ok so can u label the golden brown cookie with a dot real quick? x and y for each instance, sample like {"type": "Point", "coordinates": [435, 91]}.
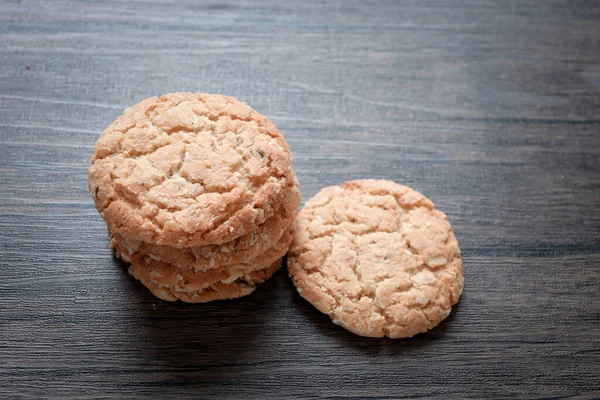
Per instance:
{"type": "Point", "coordinates": [190, 280]}
{"type": "Point", "coordinates": [242, 286]}
{"type": "Point", "coordinates": [377, 257]}
{"type": "Point", "coordinates": [189, 169]}
{"type": "Point", "coordinates": [203, 258]}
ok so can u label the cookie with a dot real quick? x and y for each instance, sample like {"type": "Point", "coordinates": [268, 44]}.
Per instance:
{"type": "Point", "coordinates": [203, 258]}
{"type": "Point", "coordinates": [189, 280]}
{"type": "Point", "coordinates": [240, 287]}
{"type": "Point", "coordinates": [377, 257]}
{"type": "Point", "coordinates": [189, 169]}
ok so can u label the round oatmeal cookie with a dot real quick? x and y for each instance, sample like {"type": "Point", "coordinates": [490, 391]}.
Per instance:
{"type": "Point", "coordinates": [240, 287]}
{"type": "Point", "coordinates": [377, 257]}
{"type": "Point", "coordinates": [189, 169]}
{"type": "Point", "coordinates": [190, 280]}
{"type": "Point", "coordinates": [204, 258]}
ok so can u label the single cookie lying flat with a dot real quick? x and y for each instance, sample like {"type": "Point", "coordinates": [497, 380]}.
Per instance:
{"type": "Point", "coordinates": [204, 258]}
{"type": "Point", "coordinates": [189, 169]}
{"type": "Point", "coordinates": [377, 258]}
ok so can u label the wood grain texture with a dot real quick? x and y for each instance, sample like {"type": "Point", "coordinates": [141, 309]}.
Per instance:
{"type": "Point", "coordinates": [491, 109]}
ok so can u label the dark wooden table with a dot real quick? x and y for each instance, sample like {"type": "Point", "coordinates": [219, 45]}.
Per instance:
{"type": "Point", "coordinates": [491, 109]}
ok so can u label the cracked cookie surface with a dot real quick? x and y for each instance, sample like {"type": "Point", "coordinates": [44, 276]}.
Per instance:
{"type": "Point", "coordinates": [204, 258]}
{"type": "Point", "coordinates": [189, 169]}
{"type": "Point", "coordinates": [377, 257]}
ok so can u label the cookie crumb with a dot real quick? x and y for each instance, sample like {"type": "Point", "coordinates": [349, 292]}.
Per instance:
{"type": "Point", "coordinates": [27, 66]}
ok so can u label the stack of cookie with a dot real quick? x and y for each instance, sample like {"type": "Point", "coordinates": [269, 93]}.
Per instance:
{"type": "Point", "coordinates": [198, 194]}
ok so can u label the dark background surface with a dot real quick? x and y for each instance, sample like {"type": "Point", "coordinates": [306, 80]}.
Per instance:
{"type": "Point", "coordinates": [491, 109]}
